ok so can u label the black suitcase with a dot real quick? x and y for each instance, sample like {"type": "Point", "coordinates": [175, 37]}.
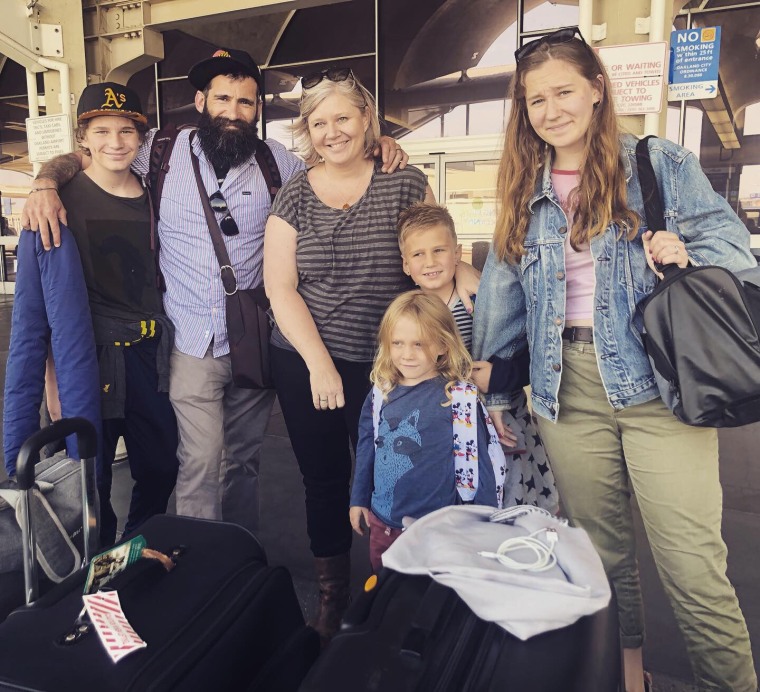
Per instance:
{"type": "Point", "coordinates": [411, 633]}
{"type": "Point", "coordinates": [212, 623]}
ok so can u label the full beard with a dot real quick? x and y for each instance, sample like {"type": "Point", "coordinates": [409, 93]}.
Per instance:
{"type": "Point", "coordinates": [226, 147]}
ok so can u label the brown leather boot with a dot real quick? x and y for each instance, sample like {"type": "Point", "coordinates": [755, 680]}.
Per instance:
{"type": "Point", "coordinates": [333, 574]}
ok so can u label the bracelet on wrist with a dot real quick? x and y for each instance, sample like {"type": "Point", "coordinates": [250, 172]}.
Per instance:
{"type": "Point", "coordinates": [40, 189]}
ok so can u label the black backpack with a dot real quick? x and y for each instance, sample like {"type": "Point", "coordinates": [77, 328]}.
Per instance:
{"type": "Point", "coordinates": [158, 167]}
{"type": "Point", "coordinates": [702, 331]}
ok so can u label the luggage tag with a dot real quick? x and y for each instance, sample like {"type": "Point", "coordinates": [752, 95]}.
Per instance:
{"type": "Point", "coordinates": [114, 631]}
{"type": "Point", "coordinates": [105, 566]}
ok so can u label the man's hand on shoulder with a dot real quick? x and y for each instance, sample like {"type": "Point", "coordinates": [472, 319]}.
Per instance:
{"type": "Point", "coordinates": [392, 154]}
{"type": "Point", "coordinates": [44, 212]}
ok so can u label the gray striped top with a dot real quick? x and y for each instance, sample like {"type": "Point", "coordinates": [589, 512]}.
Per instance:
{"type": "Point", "coordinates": [463, 320]}
{"type": "Point", "coordinates": [349, 264]}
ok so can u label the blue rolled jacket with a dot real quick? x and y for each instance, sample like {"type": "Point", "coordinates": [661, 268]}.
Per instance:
{"type": "Point", "coordinates": [526, 301]}
{"type": "Point", "coordinates": [50, 306]}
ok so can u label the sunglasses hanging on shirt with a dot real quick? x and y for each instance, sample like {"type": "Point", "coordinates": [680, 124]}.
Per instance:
{"type": "Point", "coordinates": [564, 35]}
{"type": "Point", "coordinates": [219, 205]}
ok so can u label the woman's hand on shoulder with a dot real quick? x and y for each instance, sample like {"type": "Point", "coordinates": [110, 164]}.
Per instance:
{"type": "Point", "coordinates": [326, 388]}
{"type": "Point", "coordinates": [467, 283]}
{"type": "Point", "coordinates": [392, 154]}
{"type": "Point", "coordinates": [664, 247]}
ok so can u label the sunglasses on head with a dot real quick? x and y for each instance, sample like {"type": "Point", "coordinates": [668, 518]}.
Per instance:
{"type": "Point", "coordinates": [333, 74]}
{"type": "Point", "coordinates": [560, 36]}
{"type": "Point", "coordinates": [219, 204]}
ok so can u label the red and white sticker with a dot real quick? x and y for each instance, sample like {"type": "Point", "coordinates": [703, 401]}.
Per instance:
{"type": "Point", "coordinates": [117, 635]}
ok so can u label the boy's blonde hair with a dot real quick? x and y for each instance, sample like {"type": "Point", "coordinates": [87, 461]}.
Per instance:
{"type": "Point", "coordinates": [423, 215]}
{"type": "Point", "coordinates": [437, 327]}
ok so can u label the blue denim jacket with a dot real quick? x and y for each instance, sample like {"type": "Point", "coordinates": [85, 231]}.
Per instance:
{"type": "Point", "coordinates": [527, 300]}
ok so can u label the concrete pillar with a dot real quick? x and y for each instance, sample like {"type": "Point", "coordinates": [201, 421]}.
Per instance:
{"type": "Point", "coordinates": [620, 17]}
{"type": "Point", "coordinates": [68, 15]}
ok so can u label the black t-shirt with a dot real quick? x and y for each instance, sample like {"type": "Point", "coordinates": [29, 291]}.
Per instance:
{"type": "Point", "coordinates": [113, 237]}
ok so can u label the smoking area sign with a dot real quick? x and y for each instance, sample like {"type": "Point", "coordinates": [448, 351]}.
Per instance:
{"type": "Point", "coordinates": [637, 75]}
{"type": "Point", "coordinates": [694, 57]}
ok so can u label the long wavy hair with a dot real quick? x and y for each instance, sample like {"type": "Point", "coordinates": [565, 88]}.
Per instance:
{"type": "Point", "coordinates": [437, 329]}
{"type": "Point", "coordinates": [356, 94]}
{"type": "Point", "coordinates": [600, 198]}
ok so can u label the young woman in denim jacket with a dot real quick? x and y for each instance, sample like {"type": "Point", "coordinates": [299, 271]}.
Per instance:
{"type": "Point", "coordinates": [570, 266]}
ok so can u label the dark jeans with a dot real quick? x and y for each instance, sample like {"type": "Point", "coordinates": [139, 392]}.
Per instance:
{"type": "Point", "coordinates": [322, 442]}
{"type": "Point", "coordinates": [149, 429]}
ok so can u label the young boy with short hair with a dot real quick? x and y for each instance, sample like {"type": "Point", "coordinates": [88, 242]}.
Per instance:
{"type": "Point", "coordinates": [430, 251]}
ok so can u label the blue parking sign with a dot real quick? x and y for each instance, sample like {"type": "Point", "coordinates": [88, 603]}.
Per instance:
{"type": "Point", "coordinates": [694, 59]}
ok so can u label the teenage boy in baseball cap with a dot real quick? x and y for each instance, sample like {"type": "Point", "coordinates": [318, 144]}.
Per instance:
{"type": "Point", "coordinates": [109, 219]}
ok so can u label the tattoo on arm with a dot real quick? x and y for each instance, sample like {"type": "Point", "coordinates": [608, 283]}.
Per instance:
{"type": "Point", "coordinates": [61, 169]}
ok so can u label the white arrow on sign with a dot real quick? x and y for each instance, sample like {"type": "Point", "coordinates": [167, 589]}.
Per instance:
{"type": "Point", "coordinates": [692, 91]}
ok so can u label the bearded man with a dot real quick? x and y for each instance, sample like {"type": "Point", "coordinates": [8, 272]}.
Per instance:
{"type": "Point", "coordinates": [221, 426]}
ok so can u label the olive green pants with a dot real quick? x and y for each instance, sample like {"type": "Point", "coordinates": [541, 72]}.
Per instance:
{"type": "Point", "coordinates": [597, 455]}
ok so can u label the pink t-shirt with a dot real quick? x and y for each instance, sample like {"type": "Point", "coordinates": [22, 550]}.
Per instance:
{"type": "Point", "coordinates": [579, 266]}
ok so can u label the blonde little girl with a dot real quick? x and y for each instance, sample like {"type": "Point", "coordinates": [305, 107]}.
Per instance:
{"type": "Point", "coordinates": [424, 440]}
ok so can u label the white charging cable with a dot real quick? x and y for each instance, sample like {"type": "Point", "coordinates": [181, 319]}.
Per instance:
{"type": "Point", "coordinates": [509, 514]}
{"type": "Point", "coordinates": [544, 552]}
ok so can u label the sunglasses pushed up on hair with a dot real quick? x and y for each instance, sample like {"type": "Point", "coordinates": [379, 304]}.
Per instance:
{"type": "Point", "coordinates": [564, 35]}
{"type": "Point", "coordinates": [228, 225]}
{"type": "Point", "coordinates": [333, 74]}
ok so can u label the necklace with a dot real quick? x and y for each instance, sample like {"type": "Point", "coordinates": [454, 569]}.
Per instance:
{"type": "Point", "coordinates": [448, 302]}
{"type": "Point", "coordinates": [356, 188]}
{"type": "Point", "coordinates": [347, 205]}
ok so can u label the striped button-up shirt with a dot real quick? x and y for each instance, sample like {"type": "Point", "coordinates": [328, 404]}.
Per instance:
{"type": "Point", "coordinates": [195, 299]}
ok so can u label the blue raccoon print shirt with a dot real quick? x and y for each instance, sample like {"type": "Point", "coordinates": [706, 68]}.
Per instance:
{"type": "Point", "coordinates": [409, 469]}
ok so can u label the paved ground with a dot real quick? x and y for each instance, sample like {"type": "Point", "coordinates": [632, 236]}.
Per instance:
{"type": "Point", "coordinates": [284, 537]}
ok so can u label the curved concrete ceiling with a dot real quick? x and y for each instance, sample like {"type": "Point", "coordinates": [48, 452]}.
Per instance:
{"type": "Point", "coordinates": [451, 39]}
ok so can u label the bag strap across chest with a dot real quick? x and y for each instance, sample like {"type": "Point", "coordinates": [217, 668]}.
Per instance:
{"type": "Point", "coordinates": [465, 409]}
{"type": "Point", "coordinates": [650, 190]}
{"type": "Point", "coordinates": [161, 152]}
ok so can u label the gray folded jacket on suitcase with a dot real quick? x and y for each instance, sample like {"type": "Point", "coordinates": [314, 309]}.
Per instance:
{"type": "Point", "coordinates": [57, 514]}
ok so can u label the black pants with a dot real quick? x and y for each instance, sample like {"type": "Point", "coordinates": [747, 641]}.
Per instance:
{"type": "Point", "coordinates": [322, 442]}
{"type": "Point", "coordinates": [149, 429]}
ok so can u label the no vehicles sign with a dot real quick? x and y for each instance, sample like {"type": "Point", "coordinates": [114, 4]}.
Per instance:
{"type": "Point", "coordinates": [694, 58]}
{"type": "Point", "coordinates": [637, 75]}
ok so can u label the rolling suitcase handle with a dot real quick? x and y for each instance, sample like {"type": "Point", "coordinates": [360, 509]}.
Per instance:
{"type": "Point", "coordinates": [28, 457]}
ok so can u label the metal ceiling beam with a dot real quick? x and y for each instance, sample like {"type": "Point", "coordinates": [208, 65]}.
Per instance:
{"type": "Point", "coordinates": [172, 14]}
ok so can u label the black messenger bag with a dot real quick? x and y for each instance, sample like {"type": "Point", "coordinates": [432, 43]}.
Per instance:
{"type": "Point", "coordinates": [702, 332]}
